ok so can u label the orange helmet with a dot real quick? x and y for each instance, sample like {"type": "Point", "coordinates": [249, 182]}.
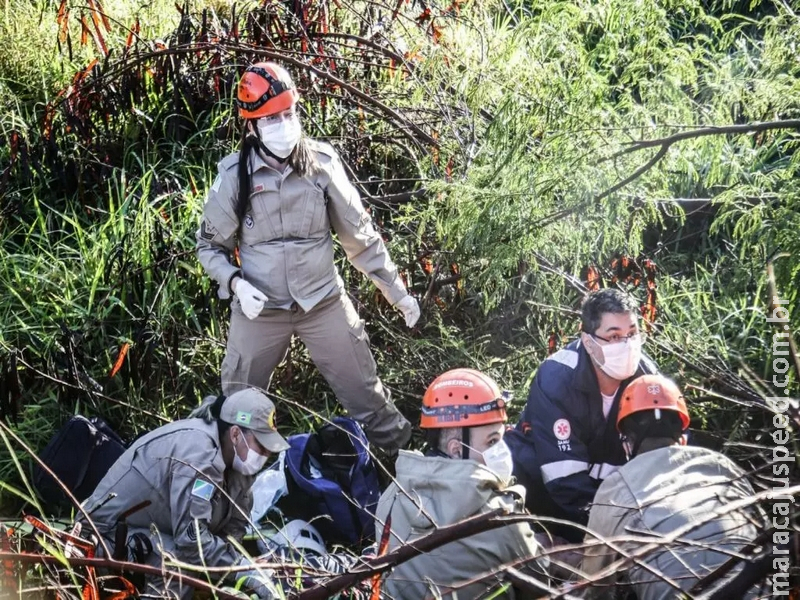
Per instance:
{"type": "Point", "coordinates": [265, 89]}
{"type": "Point", "coordinates": [651, 392]}
{"type": "Point", "coordinates": [463, 398]}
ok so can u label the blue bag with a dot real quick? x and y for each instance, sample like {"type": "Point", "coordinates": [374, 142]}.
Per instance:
{"type": "Point", "coordinates": [333, 482]}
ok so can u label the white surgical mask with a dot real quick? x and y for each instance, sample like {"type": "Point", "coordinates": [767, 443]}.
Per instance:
{"type": "Point", "coordinates": [498, 459]}
{"type": "Point", "coordinates": [280, 137]}
{"type": "Point", "coordinates": [252, 463]}
{"type": "Point", "coordinates": [621, 360]}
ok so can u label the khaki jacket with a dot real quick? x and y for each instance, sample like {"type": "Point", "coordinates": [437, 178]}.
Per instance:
{"type": "Point", "coordinates": [449, 491]}
{"type": "Point", "coordinates": [195, 503]}
{"type": "Point", "coordinates": [285, 242]}
{"type": "Point", "coordinates": [659, 492]}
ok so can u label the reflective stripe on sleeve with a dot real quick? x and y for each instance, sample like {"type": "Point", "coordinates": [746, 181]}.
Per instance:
{"type": "Point", "coordinates": [562, 468]}
{"type": "Point", "coordinates": [602, 470]}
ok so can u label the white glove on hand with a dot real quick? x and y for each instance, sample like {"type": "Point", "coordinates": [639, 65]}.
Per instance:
{"type": "Point", "coordinates": [410, 309]}
{"type": "Point", "coordinates": [251, 299]}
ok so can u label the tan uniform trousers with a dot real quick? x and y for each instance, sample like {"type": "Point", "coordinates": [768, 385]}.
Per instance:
{"type": "Point", "coordinates": [339, 346]}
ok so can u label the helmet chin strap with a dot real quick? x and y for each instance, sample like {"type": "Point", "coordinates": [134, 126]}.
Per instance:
{"type": "Point", "coordinates": [267, 151]}
{"type": "Point", "coordinates": [465, 443]}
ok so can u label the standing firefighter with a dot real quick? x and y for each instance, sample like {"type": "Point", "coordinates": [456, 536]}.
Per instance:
{"type": "Point", "coordinates": [276, 200]}
{"type": "Point", "coordinates": [465, 472]}
{"type": "Point", "coordinates": [193, 478]}
{"type": "Point", "coordinates": [667, 490]}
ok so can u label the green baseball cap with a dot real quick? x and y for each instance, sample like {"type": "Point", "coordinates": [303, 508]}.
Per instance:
{"type": "Point", "coordinates": [253, 410]}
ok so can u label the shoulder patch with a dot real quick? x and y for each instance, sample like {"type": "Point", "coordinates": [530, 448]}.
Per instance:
{"type": "Point", "coordinates": [566, 357]}
{"type": "Point", "coordinates": [562, 429]}
{"type": "Point", "coordinates": [203, 489]}
{"type": "Point", "coordinates": [207, 231]}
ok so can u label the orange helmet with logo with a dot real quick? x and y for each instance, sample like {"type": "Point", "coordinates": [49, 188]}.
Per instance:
{"type": "Point", "coordinates": [463, 398]}
{"type": "Point", "coordinates": [651, 392]}
{"type": "Point", "coordinates": [265, 89]}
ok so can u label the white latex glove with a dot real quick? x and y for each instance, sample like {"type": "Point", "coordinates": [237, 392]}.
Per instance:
{"type": "Point", "coordinates": [410, 309]}
{"type": "Point", "coordinates": [251, 299]}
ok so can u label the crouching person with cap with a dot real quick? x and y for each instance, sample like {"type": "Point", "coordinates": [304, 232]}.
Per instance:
{"type": "Point", "coordinates": [190, 481]}
{"type": "Point", "coordinates": [466, 471]}
{"type": "Point", "coordinates": [667, 490]}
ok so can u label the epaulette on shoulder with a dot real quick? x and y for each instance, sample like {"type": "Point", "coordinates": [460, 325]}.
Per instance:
{"type": "Point", "coordinates": [229, 162]}
{"type": "Point", "coordinates": [323, 148]}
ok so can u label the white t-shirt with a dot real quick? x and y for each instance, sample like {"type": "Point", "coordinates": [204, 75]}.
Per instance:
{"type": "Point", "coordinates": [607, 402]}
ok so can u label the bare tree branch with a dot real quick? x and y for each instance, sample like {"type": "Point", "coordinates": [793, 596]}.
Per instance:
{"type": "Point", "coordinates": [279, 56]}
{"type": "Point", "coordinates": [668, 141]}
{"type": "Point", "coordinates": [727, 566]}
{"type": "Point", "coordinates": [400, 198]}
{"type": "Point", "coordinates": [664, 145]}
{"type": "Point", "coordinates": [118, 567]}
{"type": "Point", "coordinates": [440, 537]}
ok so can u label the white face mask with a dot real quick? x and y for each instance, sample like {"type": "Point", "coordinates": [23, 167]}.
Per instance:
{"type": "Point", "coordinates": [621, 360]}
{"type": "Point", "coordinates": [252, 463]}
{"type": "Point", "coordinates": [498, 459]}
{"type": "Point", "coordinates": [280, 137]}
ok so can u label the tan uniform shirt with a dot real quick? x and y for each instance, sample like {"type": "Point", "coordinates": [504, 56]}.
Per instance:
{"type": "Point", "coordinates": [180, 470]}
{"type": "Point", "coordinates": [285, 241]}
{"type": "Point", "coordinates": [660, 492]}
{"type": "Point", "coordinates": [449, 491]}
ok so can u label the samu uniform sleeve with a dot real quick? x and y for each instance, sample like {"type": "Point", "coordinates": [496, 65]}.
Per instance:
{"type": "Point", "coordinates": [216, 236]}
{"type": "Point", "coordinates": [362, 244]}
{"type": "Point", "coordinates": [193, 485]}
{"type": "Point", "coordinates": [562, 455]}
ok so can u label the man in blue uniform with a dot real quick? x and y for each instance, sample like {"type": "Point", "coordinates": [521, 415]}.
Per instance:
{"type": "Point", "coordinates": [566, 442]}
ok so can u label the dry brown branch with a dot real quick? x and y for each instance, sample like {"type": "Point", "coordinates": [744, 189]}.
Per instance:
{"type": "Point", "coordinates": [668, 141]}
{"type": "Point", "coordinates": [441, 536]}
{"type": "Point", "coordinates": [727, 566]}
{"type": "Point", "coordinates": [648, 545]}
{"type": "Point", "coordinates": [664, 145]}
{"type": "Point", "coordinates": [92, 393]}
{"type": "Point", "coordinates": [400, 198]}
{"type": "Point", "coordinates": [236, 49]}
{"type": "Point", "coordinates": [117, 567]}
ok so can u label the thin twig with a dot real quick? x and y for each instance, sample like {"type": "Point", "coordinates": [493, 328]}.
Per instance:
{"type": "Point", "coordinates": [117, 566]}
{"type": "Point", "coordinates": [664, 145]}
